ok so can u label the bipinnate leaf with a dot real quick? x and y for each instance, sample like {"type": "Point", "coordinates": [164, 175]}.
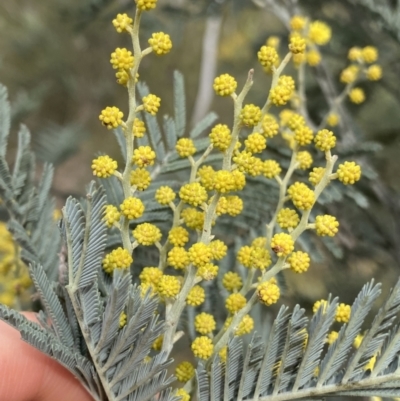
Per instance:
{"type": "Point", "coordinates": [295, 364]}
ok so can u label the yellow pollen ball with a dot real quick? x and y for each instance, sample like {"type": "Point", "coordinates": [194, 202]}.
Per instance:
{"type": "Point", "coordinates": [202, 347]}
{"type": "Point", "coordinates": [184, 371]}
{"type": "Point", "coordinates": [111, 117]}
{"type": "Point", "coordinates": [196, 296]}
{"type": "Point", "coordinates": [268, 293]}
{"type": "Point", "coordinates": [147, 234]}
{"type": "Point", "coordinates": [161, 43]}
{"type": "Point", "coordinates": [224, 85]}
{"type": "Point", "coordinates": [151, 104]}
{"type": "Point", "coordinates": [104, 166]}
{"type": "Point", "coordinates": [193, 194]}
{"type": "Point", "coordinates": [343, 313]}
{"type": "Point", "coordinates": [132, 208]}
{"type": "Point", "coordinates": [282, 244]}
{"type": "Point", "coordinates": [235, 302]}
{"type": "Point", "coordinates": [119, 258]}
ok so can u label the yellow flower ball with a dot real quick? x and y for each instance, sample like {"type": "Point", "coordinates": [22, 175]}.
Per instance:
{"type": "Point", "coordinates": [196, 296]}
{"type": "Point", "coordinates": [218, 249]}
{"type": "Point", "coordinates": [132, 208]}
{"type": "Point", "coordinates": [304, 159]}
{"type": "Point", "coordinates": [207, 272]}
{"type": "Point", "coordinates": [223, 181]}
{"type": "Point", "coordinates": [282, 244]}
{"type": "Point", "coordinates": [184, 371]}
{"type": "Point", "coordinates": [325, 140]}
{"type": "Point", "coordinates": [147, 234]}
{"type": "Point", "coordinates": [322, 303]}
{"type": "Point", "coordinates": [319, 33]}
{"type": "Point", "coordinates": [287, 218]}
{"type": "Point", "coordinates": [369, 54]}
{"type": "Point", "coordinates": [374, 72]}
{"type": "Point", "coordinates": [280, 95]}
{"type": "Point", "coordinates": [332, 337]}
{"type": "Point", "coordinates": [232, 281]}
{"type": "Point", "coordinates": [202, 347]}
{"type": "Point", "coordinates": [122, 22]}
{"type": "Point", "coordinates": [255, 143]}
{"type": "Point", "coordinates": [295, 121]}
{"type": "Point", "coordinates": [119, 258]}
{"type": "Point", "coordinates": [343, 313]}
{"type": "Point", "coordinates": [245, 326]}
{"type": "Point", "coordinates": [143, 156]}
{"type": "Point", "coordinates": [185, 147]}
{"type": "Point", "coordinates": [111, 215]}
{"type": "Point", "coordinates": [151, 104]}
{"type": "Point", "coordinates": [168, 286]}
{"type": "Point", "coordinates": [158, 343]}
{"type": "Point", "coordinates": [193, 194]}
{"type": "Point", "coordinates": [268, 293]}
{"type": "Point", "coordinates": [297, 22]}
{"type": "Point", "coordinates": [354, 54]}
{"type": "Point", "coordinates": [235, 302]}
{"type": "Point", "coordinates": [104, 166]}
{"type": "Point", "coordinates": [178, 236]}
{"type": "Point", "coordinates": [269, 126]}
{"type": "Point", "coordinates": [333, 119]}
{"type": "Point", "coordinates": [204, 323]}
{"type": "Point", "coordinates": [178, 257]}
{"type": "Point", "coordinates": [348, 173]}
{"type": "Point", "coordinates": [248, 163]}
{"type": "Point", "coordinates": [150, 275]}
{"type": "Point", "coordinates": [140, 178]}
{"type": "Point", "coordinates": [349, 74]}
{"type": "Point", "coordinates": [316, 175]}
{"type": "Point", "coordinates": [267, 56]}
{"type": "Point", "coordinates": [122, 59]}
{"type": "Point", "coordinates": [224, 85]}
{"type": "Point", "coordinates": [193, 218]}
{"type": "Point", "coordinates": [250, 115]}
{"type": "Point", "coordinates": [273, 41]}
{"type": "Point", "coordinates": [302, 196]}
{"type": "Point", "coordinates": [146, 5]}
{"type": "Point", "coordinates": [111, 117]}
{"type": "Point", "coordinates": [303, 135]}
{"type": "Point", "coordinates": [161, 43]}
{"type": "Point", "coordinates": [231, 205]}
{"type": "Point", "coordinates": [297, 44]}
{"type": "Point", "coordinates": [164, 195]}
{"type": "Point", "coordinates": [326, 225]}
{"type": "Point", "coordinates": [138, 128]}
{"type": "Point", "coordinates": [313, 58]}
{"type": "Point", "coordinates": [221, 137]}
{"type": "Point", "coordinates": [271, 168]}
{"type": "Point", "coordinates": [183, 394]}
{"type": "Point", "coordinates": [299, 261]}
{"type": "Point", "coordinates": [200, 254]}
{"type": "Point", "coordinates": [357, 95]}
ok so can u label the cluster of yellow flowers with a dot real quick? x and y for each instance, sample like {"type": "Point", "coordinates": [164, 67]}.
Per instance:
{"type": "Point", "coordinates": [343, 315]}
{"type": "Point", "coordinates": [362, 67]}
{"type": "Point", "coordinates": [185, 262]}
{"type": "Point", "coordinates": [14, 276]}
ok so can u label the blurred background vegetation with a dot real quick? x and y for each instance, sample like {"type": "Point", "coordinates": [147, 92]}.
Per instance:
{"type": "Point", "coordinates": [55, 62]}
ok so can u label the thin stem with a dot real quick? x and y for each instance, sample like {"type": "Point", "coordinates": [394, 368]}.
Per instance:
{"type": "Point", "coordinates": [238, 104]}
{"type": "Point", "coordinates": [282, 192]}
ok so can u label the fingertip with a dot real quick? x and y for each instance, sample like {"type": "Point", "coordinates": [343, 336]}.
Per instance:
{"type": "Point", "coordinates": [28, 374]}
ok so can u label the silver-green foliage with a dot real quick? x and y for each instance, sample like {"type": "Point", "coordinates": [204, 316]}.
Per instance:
{"type": "Point", "coordinates": [296, 363]}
